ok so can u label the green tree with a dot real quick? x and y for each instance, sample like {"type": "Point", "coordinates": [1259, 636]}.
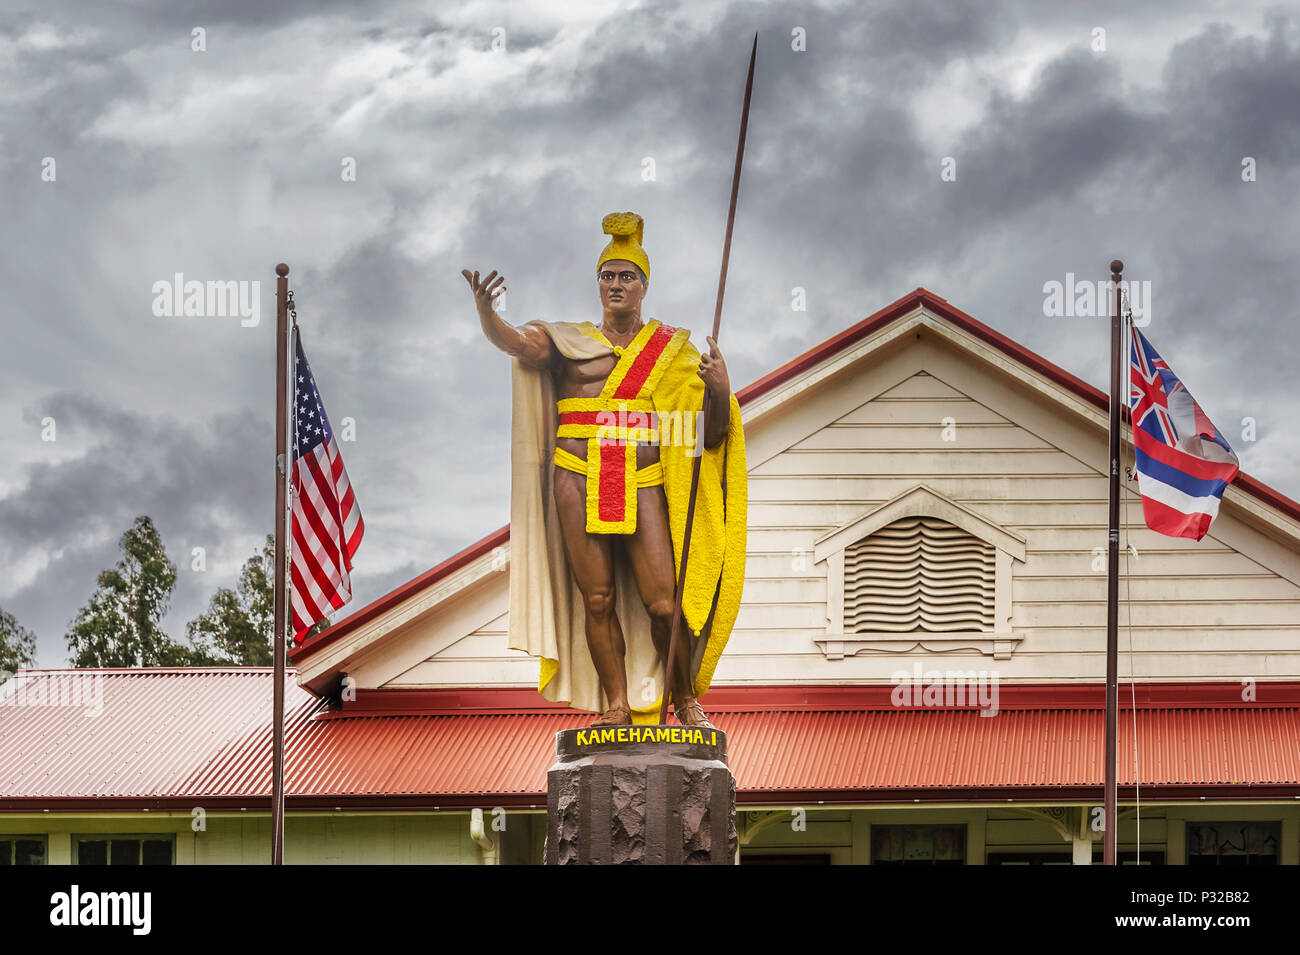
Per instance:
{"type": "Point", "coordinates": [17, 646]}
{"type": "Point", "coordinates": [120, 626]}
{"type": "Point", "coordinates": [238, 626]}
{"type": "Point", "coordinates": [236, 629]}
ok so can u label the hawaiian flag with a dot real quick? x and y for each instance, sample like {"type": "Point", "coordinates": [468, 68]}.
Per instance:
{"type": "Point", "coordinates": [327, 525]}
{"type": "Point", "coordinates": [1183, 461]}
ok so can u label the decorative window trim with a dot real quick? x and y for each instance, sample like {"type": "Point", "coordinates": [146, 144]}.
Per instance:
{"type": "Point", "coordinates": [919, 501]}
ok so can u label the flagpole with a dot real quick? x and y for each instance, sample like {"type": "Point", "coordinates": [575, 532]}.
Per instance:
{"type": "Point", "coordinates": [704, 410]}
{"type": "Point", "coordinates": [282, 467]}
{"type": "Point", "coordinates": [1109, 810]}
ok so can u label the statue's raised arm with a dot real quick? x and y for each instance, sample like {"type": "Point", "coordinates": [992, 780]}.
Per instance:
{"type": "Point", "coordinates": [530, 345]}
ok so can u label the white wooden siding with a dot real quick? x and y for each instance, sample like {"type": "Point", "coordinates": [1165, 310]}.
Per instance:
{"type": "Point", "coordinates": [1226, 607]}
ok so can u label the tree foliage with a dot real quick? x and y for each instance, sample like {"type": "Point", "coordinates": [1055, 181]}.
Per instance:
{"type": "Point", "coordinates": [17, 646]}
{"type": "Point", "coordinates": [238, 627]}
{"type": "Point", "coordinates": [121, 625]}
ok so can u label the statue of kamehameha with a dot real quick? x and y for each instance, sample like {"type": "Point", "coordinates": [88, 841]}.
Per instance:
{"type": "Point", "coordinates": [603, 441]}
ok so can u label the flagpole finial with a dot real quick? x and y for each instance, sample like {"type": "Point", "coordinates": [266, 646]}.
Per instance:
{"type": "Point", "coordinates": [1116, 266]}
{"type": "Point", "coordinates": [282, 270]}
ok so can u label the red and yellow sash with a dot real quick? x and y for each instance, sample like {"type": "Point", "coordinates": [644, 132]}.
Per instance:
{"type": "Point", "coordinates": [617, 421]}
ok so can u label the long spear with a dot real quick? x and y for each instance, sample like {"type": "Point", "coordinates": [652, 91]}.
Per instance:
{"type": "Point", "coordinates": [704, 417]}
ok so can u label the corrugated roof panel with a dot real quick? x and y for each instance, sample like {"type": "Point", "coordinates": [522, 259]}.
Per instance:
{"type": "Point", "coordinates": [206, 733]}
{"type": "Point", "coordinates": [126, 732]}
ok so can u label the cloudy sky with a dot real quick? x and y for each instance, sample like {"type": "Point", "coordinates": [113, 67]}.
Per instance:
{"type": "Point", "coordinates": [495, 135]}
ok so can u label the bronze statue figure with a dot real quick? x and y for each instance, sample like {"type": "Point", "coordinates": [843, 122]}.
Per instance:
{"type": "Point", "coordinates": [605, 420]}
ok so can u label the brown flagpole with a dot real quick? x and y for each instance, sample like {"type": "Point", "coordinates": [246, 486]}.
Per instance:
{"type": "Point", "coordinates": [282, 465]}
{"type": "Point", "coordinates": [1110, 810]}
{"type": "Point", "coordinates": [704, 411]}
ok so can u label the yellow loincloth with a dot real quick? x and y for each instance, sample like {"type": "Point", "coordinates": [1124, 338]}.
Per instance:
{"type": "Point", "coordinates": [652, 475]}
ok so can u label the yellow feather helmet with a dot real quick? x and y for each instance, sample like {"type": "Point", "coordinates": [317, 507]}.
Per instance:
{"type": "Point", "coordinates": [626, 230]}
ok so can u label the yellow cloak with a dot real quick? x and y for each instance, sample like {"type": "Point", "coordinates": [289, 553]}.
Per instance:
{"type": "Point", "coordinates": [546, 610]}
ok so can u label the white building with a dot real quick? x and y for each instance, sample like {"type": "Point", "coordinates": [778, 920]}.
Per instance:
{"type": "Point", "coordinates": [927, 498]}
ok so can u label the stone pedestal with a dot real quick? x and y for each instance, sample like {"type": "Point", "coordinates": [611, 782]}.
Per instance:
{"type": "Point", "coordinates": [640, 795]}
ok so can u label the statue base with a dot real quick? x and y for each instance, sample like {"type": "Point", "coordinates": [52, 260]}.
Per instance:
{"type": "Point", "coordinates": [640, 795]}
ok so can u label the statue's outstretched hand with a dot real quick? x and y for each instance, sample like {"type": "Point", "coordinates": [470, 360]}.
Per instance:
{"type": "Point", "coordinates": [529, 343]}
{"type": "Point", "coordinates": [485, 291]}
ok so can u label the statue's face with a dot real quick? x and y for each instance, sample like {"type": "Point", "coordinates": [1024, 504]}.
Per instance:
{"type": "Point", "coordinates": [621, 288]}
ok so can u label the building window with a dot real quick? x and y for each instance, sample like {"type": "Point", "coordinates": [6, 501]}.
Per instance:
{"type": "Point", "coordinates": [1129, 858]}
{"type": "Point", "coordinates": [22, 850]}
{"type": "Point", "coordinates": [800, 858]}
{"type": "Point", "coordinates": [918, 845]}
{"type": "Point", "coordinates": [1233, 843]}
{"type": "Point", "coordinates": [1030, 858]}
{"type": "Point", "coordinates": [116, 849]}
{"type": "Point", "coordinates": [1064, 857]}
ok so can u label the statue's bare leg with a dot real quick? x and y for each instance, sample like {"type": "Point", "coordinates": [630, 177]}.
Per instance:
{"type": "Point", "coordinates": [593, 568]}
{"type": "Point", "coordinates": [650, 552]}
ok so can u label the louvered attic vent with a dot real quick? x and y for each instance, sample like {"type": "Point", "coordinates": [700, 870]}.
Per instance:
{"type": "Point", "coordinates": [919, 574]}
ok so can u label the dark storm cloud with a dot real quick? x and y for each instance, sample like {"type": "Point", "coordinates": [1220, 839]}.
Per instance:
{"type": "Point", "coordinates": [1228, 96]}
{"type": "Point", "coordinates": [130, 462]}
{"type": "Point", "coordinates": [1073, 171]}
{"type": "Point", "coordinates": [1074, 129]}
{"type": "Point", "coordinates": [128, 24]}
{"type": "Point", "coordinates": [219, 167]}
{"type": "Point", "coordinates": [199, 484]}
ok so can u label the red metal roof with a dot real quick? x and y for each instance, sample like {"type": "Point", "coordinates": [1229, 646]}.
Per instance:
{"type": "Point", "coordinates": [809, 359]}
{"type": "Point", "coordinates": [176, 738]}
{"type": "Point", "coordinates": [133, 732]}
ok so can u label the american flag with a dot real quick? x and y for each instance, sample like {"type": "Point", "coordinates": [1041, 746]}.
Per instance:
{"type": "Point", "coordinates": [327, 525]}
